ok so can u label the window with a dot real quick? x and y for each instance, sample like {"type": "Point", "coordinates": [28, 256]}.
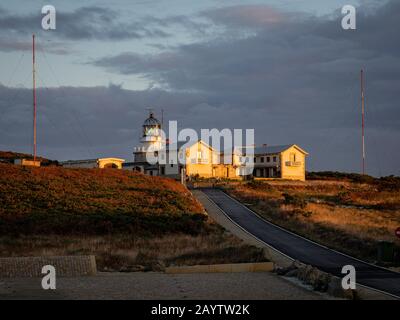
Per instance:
{"type": "Point", "coordinates": [262, 159]}
{"type": "Point", "coordinates": [293, 157]}
{"type": "Point", "coordinates": [171, 165]}
{"type": "Point", "coordinates": [199, 154]}
{"type": "Point", "coordinates": [162, 170]}
{"type": "Point", "coordinates": [274, 159]}
{"type": "Point", "coordinates": [268, 159]}
{"type": "Point", "coordinates": [255, 159]}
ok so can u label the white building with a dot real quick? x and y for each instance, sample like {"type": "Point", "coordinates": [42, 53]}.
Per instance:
{"type": "Point", "coordinates": [151, 143]}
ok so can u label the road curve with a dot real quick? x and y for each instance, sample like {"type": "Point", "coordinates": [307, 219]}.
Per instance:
{"type": "Point", "coordinates": [302, 249]}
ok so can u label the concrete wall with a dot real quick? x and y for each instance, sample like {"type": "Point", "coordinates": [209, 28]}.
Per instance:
{"type": "Point", "coordinates": [29, 267]}
{"type": "Point", "coordinates": [224, 171]}
{"type": "Point", "coordinates": [90, 164]}
{"type": "Point", "coordinates": [25, 162]}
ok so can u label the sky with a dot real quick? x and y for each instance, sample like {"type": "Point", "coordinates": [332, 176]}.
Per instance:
{"type": "Point", "coordinates": [284, 68]}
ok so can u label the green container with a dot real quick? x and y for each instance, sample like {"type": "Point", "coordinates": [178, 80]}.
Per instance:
{"type": "Point", "coordinates": [385, 251]}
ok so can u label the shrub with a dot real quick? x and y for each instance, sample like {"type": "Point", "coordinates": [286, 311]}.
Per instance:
{"type": "Point", "coordinates": [94, 201]}
{"type": "Point", "coordinates": [294, 200]}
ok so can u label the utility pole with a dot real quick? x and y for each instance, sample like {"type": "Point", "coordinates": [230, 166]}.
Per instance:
{"type": "Point", "coordinates": [162, 118]}
{"type": "Point", "coordinates": [34, 96]}
{"type": "Point", "coordinates": [362, 121]}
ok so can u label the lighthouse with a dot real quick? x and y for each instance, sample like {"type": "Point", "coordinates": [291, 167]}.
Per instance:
{"type": "Point", "coordinates": [151, 143]}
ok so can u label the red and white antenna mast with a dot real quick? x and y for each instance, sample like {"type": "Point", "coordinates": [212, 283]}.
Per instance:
{"type": "Point", "coordinates": [362, 121]}
{"type": "Point", "coordinates": [34, 96]}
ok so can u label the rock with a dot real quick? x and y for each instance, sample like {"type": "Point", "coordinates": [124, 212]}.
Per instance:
{"type": "Point", "coordinates": [304, 273]}
{"type": "Point", "coordinates": [132, 268]}
{"type": "Point", "coordinates": [292, 273]}
{"type": "Point", "coordinates": [158, 266]}
{"type": "Point", "coordinates": [319, 280]}
{"type": "Point", "coordinates": [335, 289]}
{"type": "Point", "coordinates": [294, 266]}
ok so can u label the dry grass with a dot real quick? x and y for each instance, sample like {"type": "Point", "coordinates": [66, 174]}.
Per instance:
{"type": "Point", "coordinates": [348, 216]}
{"type": "Point", "coordinates": [93, 201]}
{"type": "Point", "coordinates": [121, 251]}
{"type": "Point", "coordinates": [121, 217]}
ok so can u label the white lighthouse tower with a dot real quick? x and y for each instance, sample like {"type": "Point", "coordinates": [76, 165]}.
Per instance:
{"type": "Point", "coordinates": [151, 143]}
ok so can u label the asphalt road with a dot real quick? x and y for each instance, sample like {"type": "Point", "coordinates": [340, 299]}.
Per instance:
{"type": "Point", "coordinates": [302, 249]}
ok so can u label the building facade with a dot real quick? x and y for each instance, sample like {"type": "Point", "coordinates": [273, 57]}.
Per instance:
{"type": "Point", "coordinates": [102, 163]}
{"type": "Point", "coordinates": [198, 159]}
{"type": "Point", "coordinates": [284, 162]}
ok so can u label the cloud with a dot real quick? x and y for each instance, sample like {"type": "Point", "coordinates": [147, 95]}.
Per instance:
{"type": "Point", "coordinates": [84, 23]}
{"type": "Point", "coordinates": [11, 45]}
{"type": "Point", "coordinates": [246, 15]}
{"type": "Point", "coordinates": [300, 73]}
{"type": "Point", "coordinates": [83, 122]}
{"type": "Point", "coordinates": [294, 79]}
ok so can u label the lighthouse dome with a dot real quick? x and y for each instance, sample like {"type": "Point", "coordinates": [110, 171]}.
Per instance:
{"type": "Point", "coordinates": [151, 121]}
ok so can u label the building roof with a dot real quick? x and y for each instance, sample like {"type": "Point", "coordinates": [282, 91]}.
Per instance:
{"type": "Point", "coordinates": [187, 144]}
{"type": "Point", "coordinates": [151, 121]}
{"type": "Point", "coordinates": [276, 149]}
{"type": "Point", "coordinates": [271, 149]}
{"type": "Point", "coordinates": [262, 150]}
{"type": "Point", "coordinates": [91, 160]}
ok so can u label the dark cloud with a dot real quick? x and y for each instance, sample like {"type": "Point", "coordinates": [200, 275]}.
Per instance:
{"type": "Point", "coordinates": [76, 122]}
{"type": "Point", "coordinates": [299, 72]}
{"type": "Point", "coordinates": [85, 23]}
{"type": "Point", "coordinates": [10, 45]}
{"type": "Point", "coordinates": [293, 78]}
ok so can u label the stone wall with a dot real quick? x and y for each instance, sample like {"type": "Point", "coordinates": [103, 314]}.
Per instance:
{"type": "Point", "coordinates": [66, 266]}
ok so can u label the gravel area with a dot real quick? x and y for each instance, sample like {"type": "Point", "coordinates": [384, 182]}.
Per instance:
{"type": "Point", "coordinates": [153, 285]}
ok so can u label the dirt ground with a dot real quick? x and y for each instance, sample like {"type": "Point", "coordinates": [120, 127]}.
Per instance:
{"type": "Point", "coordinates": [153, 285]}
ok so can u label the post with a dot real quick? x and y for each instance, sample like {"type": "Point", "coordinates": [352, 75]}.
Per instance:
{"type": "Point", "coordinates": [183, 176]}
{"type": "Point", "coordinates": [362, 121]}
{"type": "Point", "coordinates": [162, 119]}
{"type": "Point", "coordinates": [34, 96]}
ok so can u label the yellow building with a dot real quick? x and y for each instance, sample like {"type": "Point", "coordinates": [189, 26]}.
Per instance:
{"type": "Point", "coordinates": [285, 162]}
{"type": "Point", "coordinates": [200, 159]}
{"type": "Point", "coordinates": [101, 163]}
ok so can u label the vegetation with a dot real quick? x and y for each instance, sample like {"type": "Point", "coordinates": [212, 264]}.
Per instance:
{"type": "Point", "coordinates": [124, 218]}
{"type": "Point", "coordinates": [391, 183]}
{"type": "Point", "coordinates": [93, 201]}
{"type": "Point", "coordinates": [10, 156]}
{"type": "Point", "coordinates": [342, 213]}
{"type": "Point", "coordinates": [127, 252]}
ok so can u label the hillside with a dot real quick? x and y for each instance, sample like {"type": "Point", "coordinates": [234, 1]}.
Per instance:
{"type": "Point", "coordinates": [9, 156]}
{"type": "Point", "coordinates": [129, 221]}
{"type": "Point", "coordinates": [343, 211]}
{"type": "Point", "coordinates": [96, 201]}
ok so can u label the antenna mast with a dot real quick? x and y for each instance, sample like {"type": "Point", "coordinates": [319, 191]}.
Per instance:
{"type": "Point", "coordinates": [34, 96]}
{"type": "Point", "coordinates": [362, 121]}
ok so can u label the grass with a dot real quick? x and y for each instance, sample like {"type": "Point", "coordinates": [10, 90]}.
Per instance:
{"type": "Point", "coordinates": [344, 214]}
{"type": "Point", "coordinates": [10, 156]}
{"type": "Point", "coordinates": [119, 252]}
{"type": "Point", "coordinates": [94, 201]}
{"type": "Point", "coordinates": [123, 218]}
